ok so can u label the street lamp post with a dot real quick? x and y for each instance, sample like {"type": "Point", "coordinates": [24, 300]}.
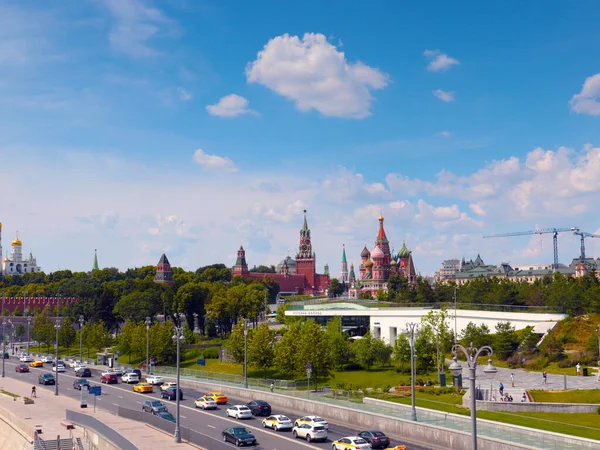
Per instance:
{"type": "Point", "coordinates": [81, 321]}
{"type": "Point", "coordinates": [148, 322]}
{"type": "Point", "coordinates": [178, 338]}
{"type": "Point", "coordinates": [11, 335]}
{"type": "Point", "coordinates": [57, 327]}
{"type": "Point", "coordinates": [3, 343]}
{"type": "Point", "coordinates": [28, 325]}
{"type": "Point", "coordinates": [489, 371]}
{"type": "Point", "coordinates": [246, 353]}
{"type": "Point", "coordinates": [412, 329]}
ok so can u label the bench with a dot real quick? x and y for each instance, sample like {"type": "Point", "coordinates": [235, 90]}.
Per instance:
{"type": "Point", "coordinates": [67, 425]}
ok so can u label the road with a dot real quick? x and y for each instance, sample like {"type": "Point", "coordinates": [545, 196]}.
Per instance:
{"type": "Point", "coordinates": [209, 423]}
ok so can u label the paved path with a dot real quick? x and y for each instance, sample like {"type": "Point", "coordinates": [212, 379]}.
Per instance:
{"type": "Point", "coordinates": [49, 410]}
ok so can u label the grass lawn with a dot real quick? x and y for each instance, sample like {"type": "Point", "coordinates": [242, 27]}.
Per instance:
{"type": "Point", "coordinates": [577, 396]}
{"type": "Point", "coordinates": [444, 402]}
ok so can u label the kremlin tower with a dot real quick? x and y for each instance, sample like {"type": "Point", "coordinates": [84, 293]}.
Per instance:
{"type": "Point", "coordinates": [164, 274]}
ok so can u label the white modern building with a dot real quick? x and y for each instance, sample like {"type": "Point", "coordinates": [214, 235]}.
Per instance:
{"type": "Point", "coordinates": [386, 323]}
{"type": "Point", "coordinates": [15, 264]}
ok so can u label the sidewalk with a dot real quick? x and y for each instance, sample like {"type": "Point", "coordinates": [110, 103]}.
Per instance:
{"type": "Point", "coordinates": [525, 380]}
{"type": "Point", "coordinates": [49, 410]}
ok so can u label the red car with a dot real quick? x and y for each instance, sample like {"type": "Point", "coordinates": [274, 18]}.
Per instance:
{"type": "Point", "coordinates": [109, 378]}
{"type": "Point", "coordinates": [22, 368]}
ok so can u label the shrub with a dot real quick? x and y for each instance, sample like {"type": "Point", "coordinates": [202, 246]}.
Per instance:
{"type": "Point", "coordinates": [598, 410]}
{"type": "Point", "coordinates": [514, 361]}
{"type": "Point", "coordinates": [353, 366]}
{"type": "Point", "coordinates": [565, 363]}
{"type": "Point", "coordinates": [211, 353]}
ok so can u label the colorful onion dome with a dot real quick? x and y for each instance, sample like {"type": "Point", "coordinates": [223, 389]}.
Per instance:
{"type": "Point", "coordinates": [368, 263]}
{"type": "Point", "coordinates": [365, 253]}
{"type": "Point", "coordinates": [377, 253]}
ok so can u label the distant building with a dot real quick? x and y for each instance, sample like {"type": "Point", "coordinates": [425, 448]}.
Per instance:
{"type": "Point", "coordinates": [294, 276]}
{"type": "Point", "coordinates": [15, 264]}
{"type": "Point", "coordinates": [95, 265]}
{"type": "Point", "coordinates": [163, 271]}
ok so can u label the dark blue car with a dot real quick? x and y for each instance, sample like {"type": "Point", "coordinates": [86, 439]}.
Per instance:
{"type": "Point", "coordinates": [239, 436]}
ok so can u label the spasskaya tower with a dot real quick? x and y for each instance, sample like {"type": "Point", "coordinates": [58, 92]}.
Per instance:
{"type": "Point", "coordinates": [305, 258]}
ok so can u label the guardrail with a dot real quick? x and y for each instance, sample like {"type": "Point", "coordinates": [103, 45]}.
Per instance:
{"type": "Point", "coordinates": [106, 432]}
{"type": "Point", "coordinates": [187, 434]}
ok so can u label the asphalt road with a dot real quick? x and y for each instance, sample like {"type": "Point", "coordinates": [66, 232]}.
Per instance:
{"type": "Point", "coordinates": [210, 423]}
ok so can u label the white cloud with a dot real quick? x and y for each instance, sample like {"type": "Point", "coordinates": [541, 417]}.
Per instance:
{"type": "Point", "coordinates": [445, 134]}
{"type": "Point", "coordinates": [213, 162]}
{"type": "Point", "coordinates": [477, 209]}
{"type": "Point", "coordinates": [439, 61]}
{"type": "Point", "coordinates": [231, 105]}
{"type": "Point", "coordinates": [446, 96]}
{"type": "Point", "coordinates": [588, 100]}
{"type": "Point", "coordinates": [184, 95]}
{"type": "Point", "coordinates": [346, 186]}
{"type": "Point", "coordinates": [135, 25]}
{"type": "Point", "coordinates": [315, 75]}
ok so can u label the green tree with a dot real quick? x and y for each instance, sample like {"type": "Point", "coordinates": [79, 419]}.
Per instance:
{"type": "Point", "coordinates": [476, 335]}
{"type": "Point", "coordinates": [402, 350]}
{"type": "Point", "coordinates": [313, 350]}
{"type": "Point", "coordinates": [126, 337]}
{"type": "Point", "coordinates": [138, 305]}
{"type": "Point", "coordinates": [191, 298]}
{"type": "Point", "coordinates": [442, 336]}
{"type": "Point", "coordinates": [162, 346]}
{"type": "Point", "coordinates": [425, 349]}
{"type": "Point", "coordinates": [235, 343]}
{"type": "Point", "coordinates": [382, 352]}
{"type": "Point", "coordinates": [66, 334]}
{"type": "Point", "coordinates": [286, 350]}
{"type": "Point", "coordinates": [363, 350]}
{"type": "Point", "coordinates": [335, 288]}
{"type": "Point", "coordinates": [261, 350]}
{"type": "Point", "coordinates": [505, 340]}
{"type": "Point", "coordinates": [339, 349]}
{"type": "Point", "coordinates": [42, 329]}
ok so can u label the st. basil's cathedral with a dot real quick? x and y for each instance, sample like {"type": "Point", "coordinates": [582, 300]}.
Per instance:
{"type": "Point", "coordinates": [298, 275]}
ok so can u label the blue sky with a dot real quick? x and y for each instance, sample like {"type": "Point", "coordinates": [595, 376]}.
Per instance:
{"type": "Point", "coordinates": [139, 126]}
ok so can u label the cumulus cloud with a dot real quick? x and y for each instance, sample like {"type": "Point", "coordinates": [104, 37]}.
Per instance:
{"type": "Point", "coordinates": [231, 105]}
{"type": "Point", "coordinates": [588, 100]}
{"type": "Point", "coordinates": [439, 61]}
{"type": "Point", "coordinates": [346, 186]}
{"type": "Point", "coordinates": [213, 162]}
{"type": "Point", "coordinates": [315, 75]}
{"type": "Point", "coordinates": [446, 96]}
{"type": "Point", "coordinates": [135, 25]}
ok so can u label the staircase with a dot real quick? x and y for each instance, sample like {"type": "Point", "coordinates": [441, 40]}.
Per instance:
{"type": "Point", "coordinates": [56, 444]}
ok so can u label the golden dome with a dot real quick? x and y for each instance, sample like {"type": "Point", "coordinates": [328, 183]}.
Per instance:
{"type": "Point", "coordinates": [368, 263]}
{"type": "Point", "coordinates": [380, 217]}
{"type": "Point", "coordinates": [17, 242]}
{"type": "Point", "coordinates": [6, 259]}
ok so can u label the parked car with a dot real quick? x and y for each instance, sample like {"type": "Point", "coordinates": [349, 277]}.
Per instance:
{"type": "Point", "coordinates": [83, 372]}
{"type": "Point", "coordinates": [239, 412]}
{"type": "Point", "coordinates": [170, 394]}
{"type": "Point", "coordinates": [167, 416]}
{"type": "Point", "coordinates": [312, 420]}
{"type": "Point", "coordinates": [310, 432]}
{"type": "Point", "coordinates": [22, 368]}
{"type": "Point", "coordinates": [167, 385]}
{"type": "Point", "coordinates": [46, 378]}
{"type": "Point", "coordinates": [278, 422]}
{"type": "Point", "coordinates": [350, 442]}
{"type": "Point", "coordinates": [47, 359]}
{"type": "Point", "coordinates": [80, 383]}
{"type": "Point", "coordinates": [218, 397]}
{"type": "Point", "coordinates": [239, 436]}
{"type": "Point", "coordinates": [154, 406]}
{"type": "Point", "coordinates": [143, 388]}
{"type": "Point", "coordinates": [130, 377]}
{"type": "Point", "coordinates": [36, 363]}
{"type": "Point", "coordinates": [205, 403]}
{"type": "Point", "coordinates": [376, 438]}
{"type": "Point", "coordinates": [259, 408]}
{"type": "Point", "coordinates": [109, 378]}
{"type": "Point", "coordinates": [155, 380]}
{"type": "Point", "coordinates": [26, 359]}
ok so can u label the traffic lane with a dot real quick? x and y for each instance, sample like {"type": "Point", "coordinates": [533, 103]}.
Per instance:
{"type": "Point", "coordinates": [208, 424]}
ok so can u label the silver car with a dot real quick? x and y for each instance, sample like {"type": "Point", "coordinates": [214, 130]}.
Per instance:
{"type": "Point", "coordinates": [310, 432]}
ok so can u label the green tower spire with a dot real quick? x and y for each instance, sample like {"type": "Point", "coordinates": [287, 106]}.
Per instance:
{"type": "Point", "coordinates": [344, 254]}
{"type": "Point", "coordinates": [95, 266]}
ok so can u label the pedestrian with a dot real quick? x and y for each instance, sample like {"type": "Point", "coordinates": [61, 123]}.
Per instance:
{"type": "Point", "coordinates": [33, 389]}
{"type": "Point", "coordinates": [512, 379]}
{"type": "Point", "coordinates": [545, 377]}
{"type": "Point", "coordinates": [501, 388]}
{"type": "Point", "coordinates": [578, 369]}
{"type": "Point", "coordinates": [272, 387]}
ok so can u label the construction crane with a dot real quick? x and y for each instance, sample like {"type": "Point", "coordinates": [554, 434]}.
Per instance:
{"type": "Point", "coordinates": [554, 232]}
{"type": "Point", "coordinates": [583, 235]}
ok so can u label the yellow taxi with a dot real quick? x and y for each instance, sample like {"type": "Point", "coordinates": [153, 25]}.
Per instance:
{"type": "Point", "coordinates": [36, 363]}
{"type": "Point", "coordinates": [397, 447]}
{"type": "Point", "coordinates": [218, 397]}
{"type": "Point", "coordinates": [143, 387]}
{"type": "Point", "coordinates": [350, 442]}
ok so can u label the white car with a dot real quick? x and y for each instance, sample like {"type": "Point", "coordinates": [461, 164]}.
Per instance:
{"type": "Point", "coordinates": [58, 368]}
{"type": "Point", "coordinates": [47, 359]}
{"type": "Point", "coordinates": [312, 420]}
{"type": "Point", "coordinates": [310, 432]}
{"type": "Point", "coordinates": [205, 403]}
{"type": "Point", "coordinates": [26, 359]}
{"type": "Point", "coordinates": [130, 377]}
{"type": "Point", "coordinates": [73, 363]}
{"type": "Point", "coordinates": [350, 442]}
{"type": "Point", "coordinates": [277, 422]}
{"type": "Point", "coordinates": [80, 366]}
{"type": "Point", "coordinates": [155, 379]}
{"type": "Point", "coordinates": [239, 412]}
{"type": "Point", "coordinates": [167, 385]}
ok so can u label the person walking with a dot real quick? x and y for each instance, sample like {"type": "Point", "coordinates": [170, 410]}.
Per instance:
{"type": "Point", "coordinates": [33, 391]}
{"type": "Point", "coordinates": [545, 377]}
{"type": "Point", "coordinates": [272, 387]}
{"type": "Point", "coordinates": [512, 379]}
{"type": "Point", "coordinates": [501, 389]}
{"type": "Point", "coordinates": [578, 369]}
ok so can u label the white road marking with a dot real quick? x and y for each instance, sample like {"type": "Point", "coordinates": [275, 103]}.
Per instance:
{"type": "Point", "coordinates": [138, 402]}
{"type": "Point", "coordinates": [116, 404]}
{"type": "Point", "coordinates": [120, 396]}
{"type": "Point", "coordinates": [210, 426]}
{"type": "Point", "coordinates": [183, 417]}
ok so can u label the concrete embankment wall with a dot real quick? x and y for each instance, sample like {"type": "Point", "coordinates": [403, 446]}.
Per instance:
{"type": "Point", "coordinates": [538, 407]}
{"type": "Point", "coordinates": [433, 436]}
{"type": "Point", "coordinates": [15, 433]}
